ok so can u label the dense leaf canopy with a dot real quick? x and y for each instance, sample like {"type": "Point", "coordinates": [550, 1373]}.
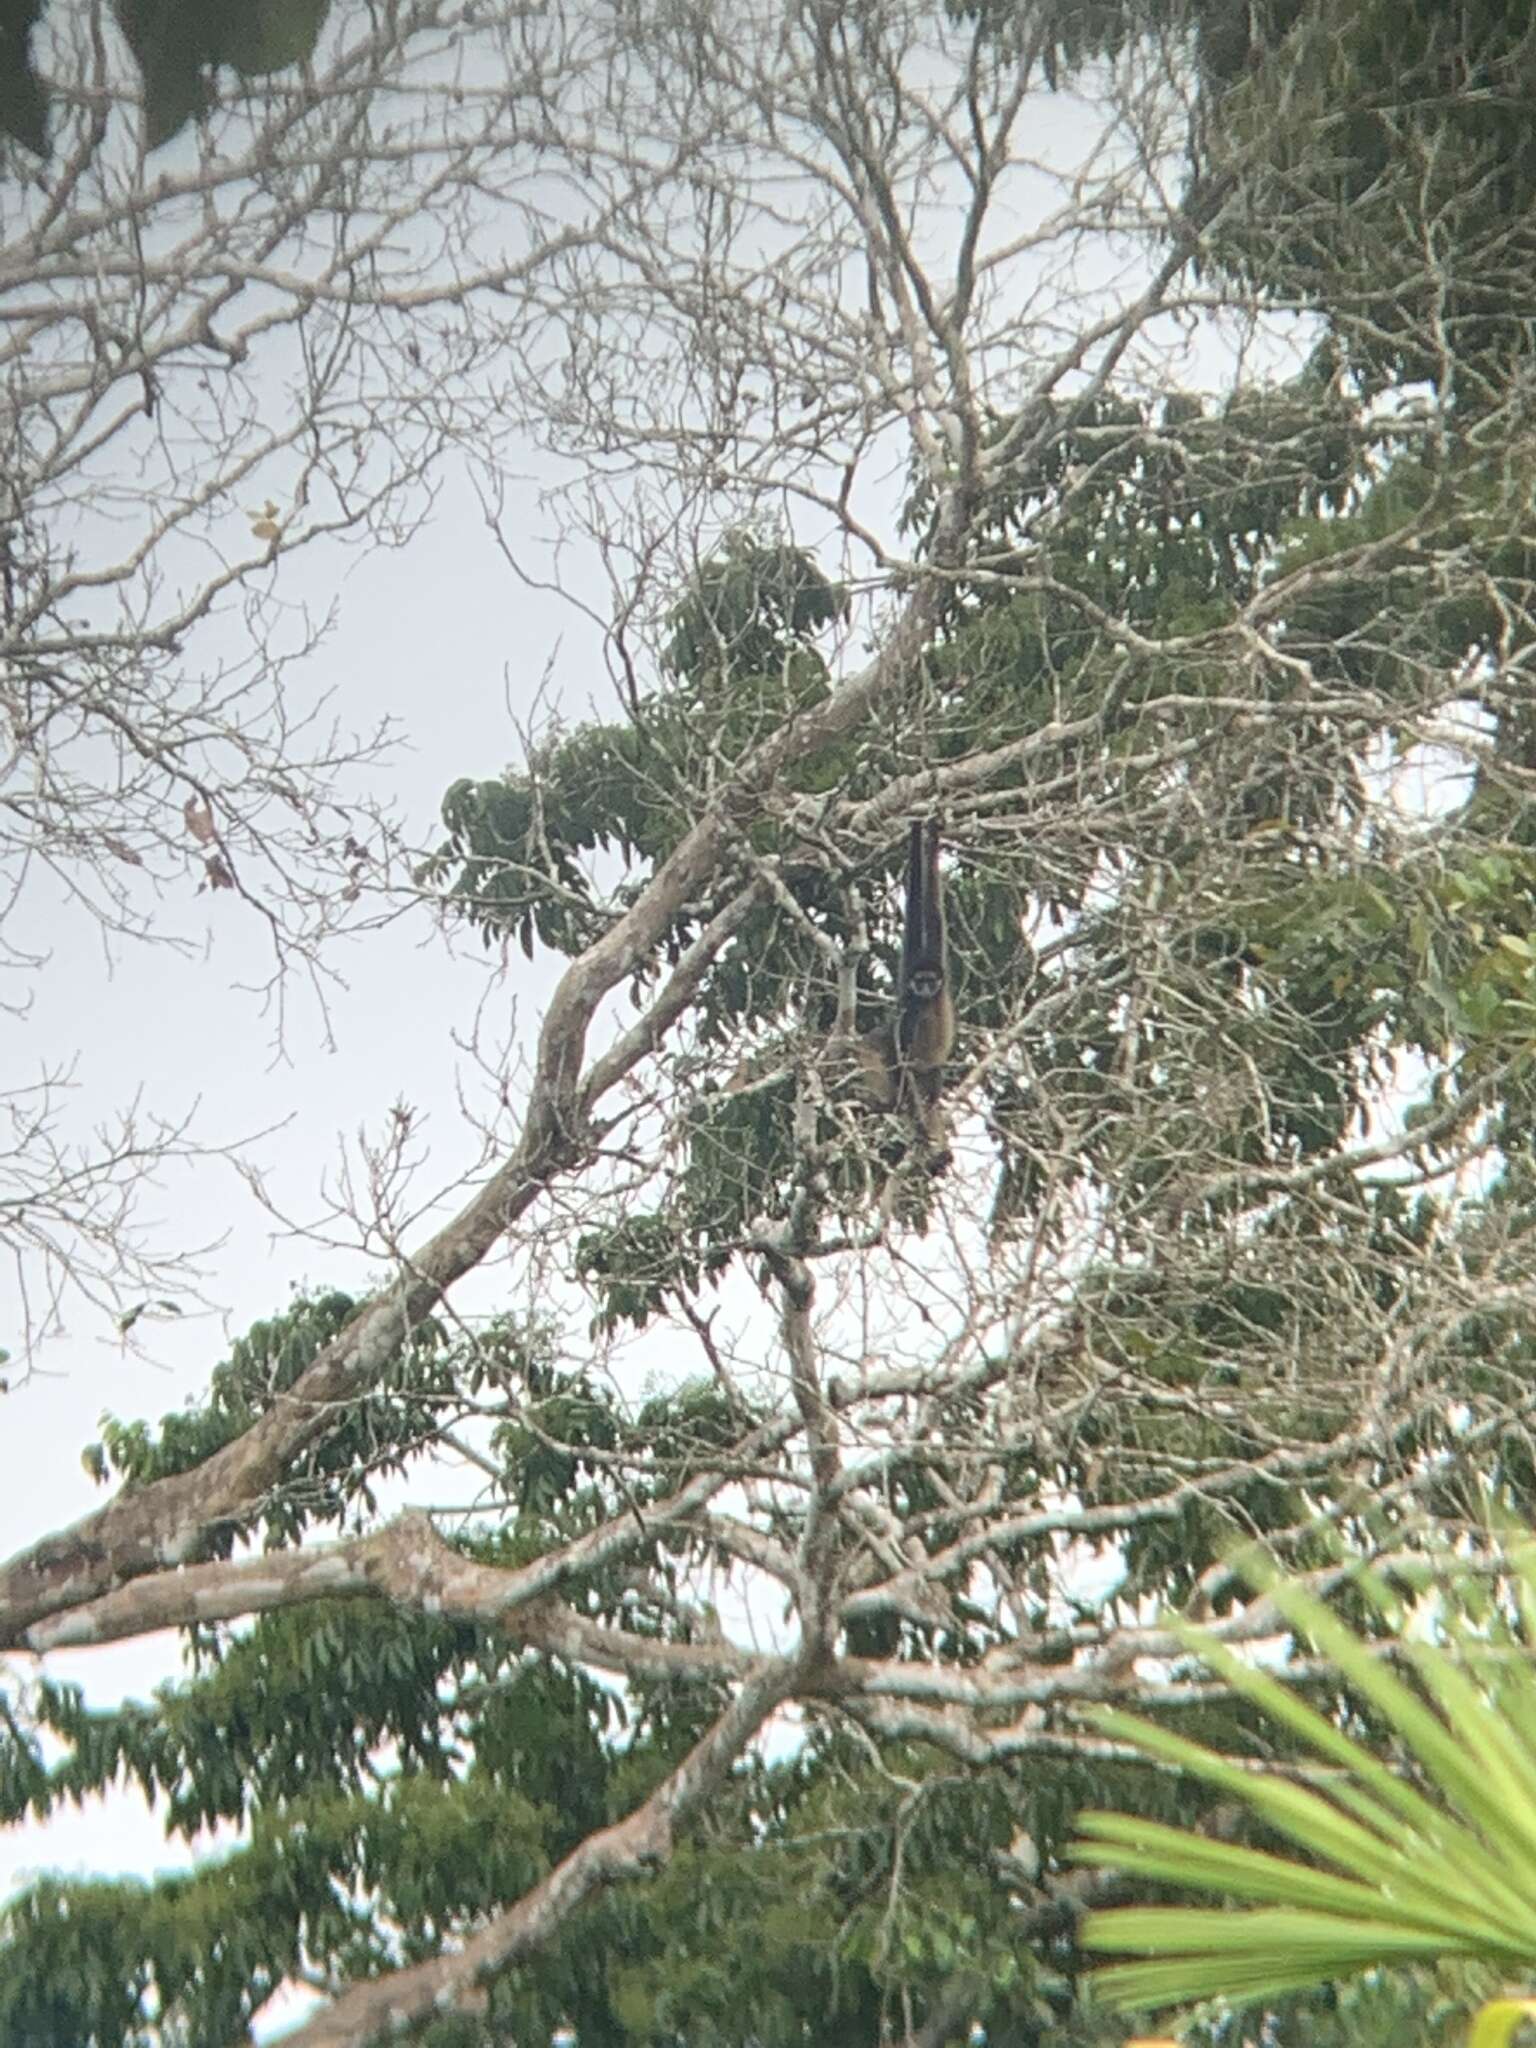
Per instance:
{"type": "Point", "coordinates": [819, 1499]}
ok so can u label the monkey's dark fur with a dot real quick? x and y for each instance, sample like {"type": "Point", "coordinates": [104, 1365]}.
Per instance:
{"type": "Point", "coordinates": [903, 1062]}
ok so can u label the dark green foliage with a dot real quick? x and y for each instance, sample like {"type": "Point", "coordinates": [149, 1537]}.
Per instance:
{"type": "Point", "coordinates": [176, 44]}
{"type": "Point", "coordinates": [195, 1957]}
{"type": "Point", "coordinates": [335, 1480]}
{"type": "Point", "coordinates": [401, 1778]}
{"type": "Point", "coordinates": [755, 607]}
{"type": "Point", "coordinates": [633, 1267]}
{"type": "Point", "coordinates": [23, 107]}
{"type": "Point", "coordinates": [1383, 158]}
{"type": "Point", "coordinates": [1407, 133]}
{"type": "Point", "coordinates": [1387, 168]}
{"type": "Point", "coordinates": [542, 1450]}
{"type": "Point", "coordinates": [741, 658]}
{"type": "Point", "coordinates": [262, 1364]}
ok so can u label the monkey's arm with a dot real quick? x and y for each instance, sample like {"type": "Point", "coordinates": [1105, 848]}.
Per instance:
{"type": "Point", "coordinates": [900, 1065]}
{"type": "Point", "coordinates": [925, 1011]}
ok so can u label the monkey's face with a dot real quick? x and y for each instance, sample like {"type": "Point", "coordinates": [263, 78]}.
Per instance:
{"type": "Point", "coordinates": [926, 984]}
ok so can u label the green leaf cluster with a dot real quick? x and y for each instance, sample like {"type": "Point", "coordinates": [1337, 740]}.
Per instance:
{"type": "Point", "coordinates": [739, 660]}
{"type": "Point", "coordinates": [176, 45]}
{"type": "Point", "coordinates": [336, 1477]}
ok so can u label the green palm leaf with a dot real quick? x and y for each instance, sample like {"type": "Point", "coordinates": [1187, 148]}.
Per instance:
{"type": "Point", "coordinates": [1401, 1867]}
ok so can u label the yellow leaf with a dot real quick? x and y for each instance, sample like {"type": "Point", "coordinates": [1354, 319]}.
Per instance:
{"type": "Point", "coordinates": [1495, 2025]}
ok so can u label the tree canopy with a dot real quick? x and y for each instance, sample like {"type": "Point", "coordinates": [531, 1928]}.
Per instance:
{"type": "Point", "coordinates": [1101, 430]}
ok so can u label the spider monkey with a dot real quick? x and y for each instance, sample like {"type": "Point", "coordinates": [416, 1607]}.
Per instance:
{"type": "Point", "coordinates": [902, 1063]}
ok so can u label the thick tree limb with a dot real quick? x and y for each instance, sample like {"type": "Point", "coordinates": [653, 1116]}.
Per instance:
{"type": "Point", "coordinates": [166, 1522]}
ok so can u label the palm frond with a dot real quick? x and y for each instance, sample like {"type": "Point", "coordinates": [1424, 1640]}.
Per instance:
{"type": "Point", "coordinates": [1426, 1854]}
